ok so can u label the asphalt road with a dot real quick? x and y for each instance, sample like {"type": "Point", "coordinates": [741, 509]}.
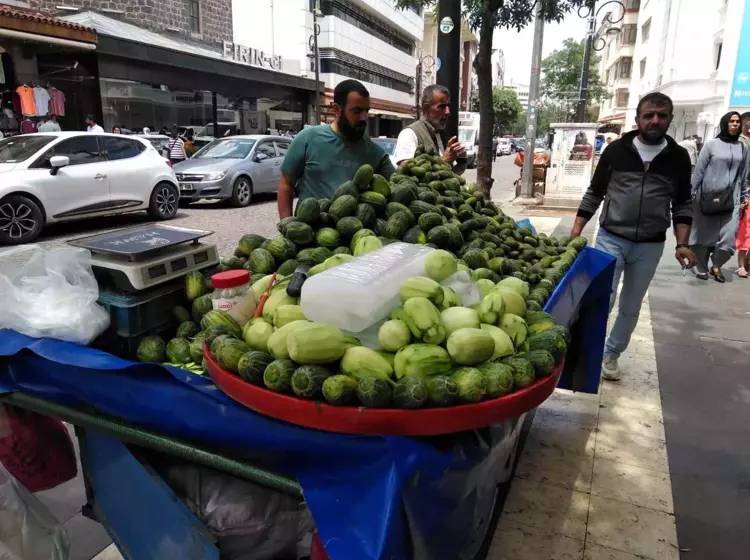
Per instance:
{"type": "Point", "coordinates": [229, 224]}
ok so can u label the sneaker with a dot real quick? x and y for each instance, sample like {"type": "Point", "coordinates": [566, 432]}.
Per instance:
{"type": "Point", "coordinates": [610, 369]}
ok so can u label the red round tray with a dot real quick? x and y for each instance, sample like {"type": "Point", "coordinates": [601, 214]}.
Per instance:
{"type": "Point", "coordinates": [382, 421]}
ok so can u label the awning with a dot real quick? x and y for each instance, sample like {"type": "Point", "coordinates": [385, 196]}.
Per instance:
{"type": "Point", "coordinates": [27, 25]}
{"type": "Point", "coordinates": [390, 114]}
{"type": "Point", "coordinates": [616, 118]}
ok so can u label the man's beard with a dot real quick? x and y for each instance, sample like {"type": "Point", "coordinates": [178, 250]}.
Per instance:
{"type": "Point", "coordinates": [438, 124]}
{"type": "Point", "coordinates": [351, 132]}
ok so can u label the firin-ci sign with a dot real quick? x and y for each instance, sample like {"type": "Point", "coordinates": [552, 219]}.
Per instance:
{"type": "Point", "coordinates": [250, 56]}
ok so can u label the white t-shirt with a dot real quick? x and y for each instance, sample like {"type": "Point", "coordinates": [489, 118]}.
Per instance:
{"type": "Point", "coordinates": [41, 100]}
{"type": "Point", "coordinates": [95, 129]}
{"type": "Point", "coordinates": [407, 143]}
{"type": "Point", "coordinates": [649, 151]}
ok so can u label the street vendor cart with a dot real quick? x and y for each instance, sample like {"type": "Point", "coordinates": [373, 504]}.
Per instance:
{"type": "Point", "coordinates": [371, 496]}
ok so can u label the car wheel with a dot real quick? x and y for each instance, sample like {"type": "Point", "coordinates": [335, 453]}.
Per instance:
{"type": "Point", "coordinates": [242, 192]}
{"type": "Point", "coordinates": [164, 201]}
{"type": "Point", "coordinates": [21, 220]}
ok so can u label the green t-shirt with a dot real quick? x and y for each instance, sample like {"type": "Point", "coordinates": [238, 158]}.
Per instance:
{"type": "Point", "coordinates": [319, 161]}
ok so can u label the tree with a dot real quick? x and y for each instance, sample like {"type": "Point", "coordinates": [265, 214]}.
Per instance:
{"type": "Point", "coordinates": [505, 106]}
{"type": "Point", "coordinates": [486, 16]}
{"type": "Point", "coordinates": [561, 76]}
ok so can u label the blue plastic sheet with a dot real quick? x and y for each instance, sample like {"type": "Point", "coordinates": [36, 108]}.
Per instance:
{"type": "Point", "coordinates": [371, 497]}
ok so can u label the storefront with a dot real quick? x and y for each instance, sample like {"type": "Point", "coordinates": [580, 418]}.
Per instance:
{"type": "Point", "coordinates": [48, 68]}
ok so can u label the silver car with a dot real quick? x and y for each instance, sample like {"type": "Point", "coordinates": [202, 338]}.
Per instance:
{"type": "Point", "coordinates": [233, 168]}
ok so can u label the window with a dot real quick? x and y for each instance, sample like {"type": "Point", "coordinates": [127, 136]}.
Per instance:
{"type": "Point", "coordinates": [717, 54]}
{"type": "Point", "coordinates": [643, 68]}
{"type": "Point", "coordinates": [21, 148]}
{"type": "Point", "coordinates": [645, 30]}
{"type": "Point", "coordinates": [621, 100]}
{"type": "Point", "coordinates": [282, 147]}
{"type": "Point", "coordinates": [632, 5]}
{"type": "Point", "coordinates": [348, 12]}
{"type": "Point", "coordinates": [335, 61]}
{"type": "Point", "coordinates": [267, 149]}
{"type": "Point", "coordinates": [226, 148]}
{"type": "Point", "coordinates": [81, 149]}
{"type": "Point", "coordinates": [194, 15]}
{"type": "Point", "coordinates": [121, 148]}
{"type": "Point", "coordinates": [624, 67]}
{"type": "Point", "coordinates": [627, 36]}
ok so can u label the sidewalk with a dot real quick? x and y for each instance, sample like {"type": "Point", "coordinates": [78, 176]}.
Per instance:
{"type": "Point", "coordinates": [657, 459]}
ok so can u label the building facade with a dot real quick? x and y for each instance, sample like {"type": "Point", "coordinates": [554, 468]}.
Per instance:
{"type": "Point", "coordinates": [428, 55]}
{"type": "Point", "coordinates": [368, 40]}
{"type": "Point", "coordinates": [157, 65]}
{"type": "Point", "coordinates": [694, 52]}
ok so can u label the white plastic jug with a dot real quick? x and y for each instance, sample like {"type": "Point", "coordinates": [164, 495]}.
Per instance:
{"type": "Point", "coordinates": [356, 295]}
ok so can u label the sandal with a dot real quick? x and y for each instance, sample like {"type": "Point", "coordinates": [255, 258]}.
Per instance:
{"type": "Point", "coordinates": [718, 276]}
{"type": "Point", "coordinates": [741, 272]}
{"type": "Point", "coordinates": [701, 275]}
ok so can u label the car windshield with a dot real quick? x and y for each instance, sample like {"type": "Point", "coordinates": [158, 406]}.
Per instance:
{"type": "Point", "coordinates": [465, 135]}
{"type": "Point", "coordinates": [226, 148]}
{"type": "Point", "coordinates": [21, 148]}
{"type": "Point", "coordinates": [388, 144]}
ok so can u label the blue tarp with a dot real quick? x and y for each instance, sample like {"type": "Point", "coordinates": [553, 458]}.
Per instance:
{"type": "Point", "coordinates": [371, 497]}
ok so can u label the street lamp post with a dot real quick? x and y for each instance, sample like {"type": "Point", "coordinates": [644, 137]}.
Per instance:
{"type": "Point", "coordinates": [590, 12]}
{"type": "Point", "coordinates": [425, 64]}
{"type": "Point", "coordinates": [313, 43]}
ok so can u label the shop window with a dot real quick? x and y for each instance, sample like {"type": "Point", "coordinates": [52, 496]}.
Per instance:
{"type": "Point", "coordinates": [645, 31]}
{"type": "Point", "coordinates": [194, 15]}
{"type": "Point", "coordinates": [121, 148]}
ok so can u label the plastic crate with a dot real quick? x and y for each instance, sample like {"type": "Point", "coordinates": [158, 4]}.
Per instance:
{"type": "Point", "coordinates": [141, 313]}
{"type": "Point", "coordinates": [127, 346]}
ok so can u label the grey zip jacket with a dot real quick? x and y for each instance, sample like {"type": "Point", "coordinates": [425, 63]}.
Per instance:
{"type": "Point", "coordinates": [638, 203]}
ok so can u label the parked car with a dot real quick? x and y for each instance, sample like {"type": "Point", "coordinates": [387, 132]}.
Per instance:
{"type": "Point", "coordinates": [504, 147]}
{"type": "Point", "coordinates": [389, 145]}
{"type": "Point", "coordinates": [159, 141]}
{"type": "Point", "coordinates": [233, 168]}
{"type": "Point", "coordinates": [64, 176]}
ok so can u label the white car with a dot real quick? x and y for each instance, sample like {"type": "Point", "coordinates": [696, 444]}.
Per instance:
{"type": "Point", "coordinates": [63, 176]}
{"type": "Point", "coordinates": [503, 147]}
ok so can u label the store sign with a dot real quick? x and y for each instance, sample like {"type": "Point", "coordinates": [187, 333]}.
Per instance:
{"type": "Point", "coordinates": [251, 56]}
{"type": "Point", "coordinates": [740, 94]}
{"type": "Point", "coordinates": [446, 25]}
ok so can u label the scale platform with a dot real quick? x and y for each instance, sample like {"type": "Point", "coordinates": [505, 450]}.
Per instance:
{"type": "Point", "coordinates": [141, 257]}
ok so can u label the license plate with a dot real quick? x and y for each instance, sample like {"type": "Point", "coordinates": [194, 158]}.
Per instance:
{"type": "Point", "coordinates": [186, 187]}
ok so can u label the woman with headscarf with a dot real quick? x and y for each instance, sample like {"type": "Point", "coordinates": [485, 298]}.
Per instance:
{"type": "Point", "coordinates": [719, 195]}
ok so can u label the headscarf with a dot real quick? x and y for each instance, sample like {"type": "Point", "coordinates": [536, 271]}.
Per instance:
{"type": "Point", "coordinates": [724, 127]}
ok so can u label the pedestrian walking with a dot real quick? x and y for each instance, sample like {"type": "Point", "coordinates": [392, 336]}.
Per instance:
{"type": "Point", "coordinates": [176, 148]}
{"type": "Point", "coordinates": [91, 125]}
{"type": "Point", "coordinates": [743, 229]}
{"type": "Point", "coordinates": [719, 197]}
{"type": "Point", "coordinates": [642, 178]}
{"type": "Point", "coordinates": [690, 143]}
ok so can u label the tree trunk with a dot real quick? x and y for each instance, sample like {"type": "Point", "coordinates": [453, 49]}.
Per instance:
{"type": "Point", "coordinates": [483, 64]}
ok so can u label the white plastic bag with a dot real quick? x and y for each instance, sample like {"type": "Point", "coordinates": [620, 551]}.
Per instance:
{"type": "Point", "coordinates": [28, 531]}
{"type": "Point", "coordinates": [50, 293]}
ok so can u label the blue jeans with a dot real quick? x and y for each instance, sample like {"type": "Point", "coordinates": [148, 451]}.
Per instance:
{"type": "Point", "coordinates": [636, 265]}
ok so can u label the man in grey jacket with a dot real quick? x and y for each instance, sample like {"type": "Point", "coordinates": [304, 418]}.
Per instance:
{"type": "Point", "coordinates": [642, 178]}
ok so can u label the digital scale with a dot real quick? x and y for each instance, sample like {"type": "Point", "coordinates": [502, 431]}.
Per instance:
{"type": "Point", "coordinates": [142, 257]}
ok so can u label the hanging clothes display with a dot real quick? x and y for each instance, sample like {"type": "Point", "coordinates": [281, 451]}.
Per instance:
{"type": "Point", "coordinates": [41, 101]}
{"type": "Point", "coordinates": [28, 126]}
{"type": "Point", "coordinates": [56, 102]}
{"type": "Point", "coordinates": [26, 96]}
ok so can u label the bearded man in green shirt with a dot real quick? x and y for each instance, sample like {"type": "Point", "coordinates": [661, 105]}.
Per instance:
{"type": "Point", "coordinates": [323, 157]}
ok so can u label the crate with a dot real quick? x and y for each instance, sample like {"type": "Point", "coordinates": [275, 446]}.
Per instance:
{"type": "Point", "coordinates": [127, 346]}
{"type": "Point", "coordinates": [141, 313]}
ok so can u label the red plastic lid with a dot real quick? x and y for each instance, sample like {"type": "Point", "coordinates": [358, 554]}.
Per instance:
{"type": "Point", "coordinates": [230, 278]}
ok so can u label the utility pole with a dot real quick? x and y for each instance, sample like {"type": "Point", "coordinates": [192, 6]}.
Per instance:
{"type": "Point", "coordinates": [527, 177]}
{"type": "Point", "coordinates": [583, 94]}
{"type": "Point", "coordinates": [316, 32]}
{"type": "Point", "coordinates": [449, 57]}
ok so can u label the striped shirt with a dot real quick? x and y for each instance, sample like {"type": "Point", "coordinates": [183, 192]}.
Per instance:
{"type": "Point", "coordinates": [177, 149]}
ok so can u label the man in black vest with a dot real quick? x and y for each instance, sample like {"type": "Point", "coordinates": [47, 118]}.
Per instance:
{"type": "Point", "coordinates": [426, 132]}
